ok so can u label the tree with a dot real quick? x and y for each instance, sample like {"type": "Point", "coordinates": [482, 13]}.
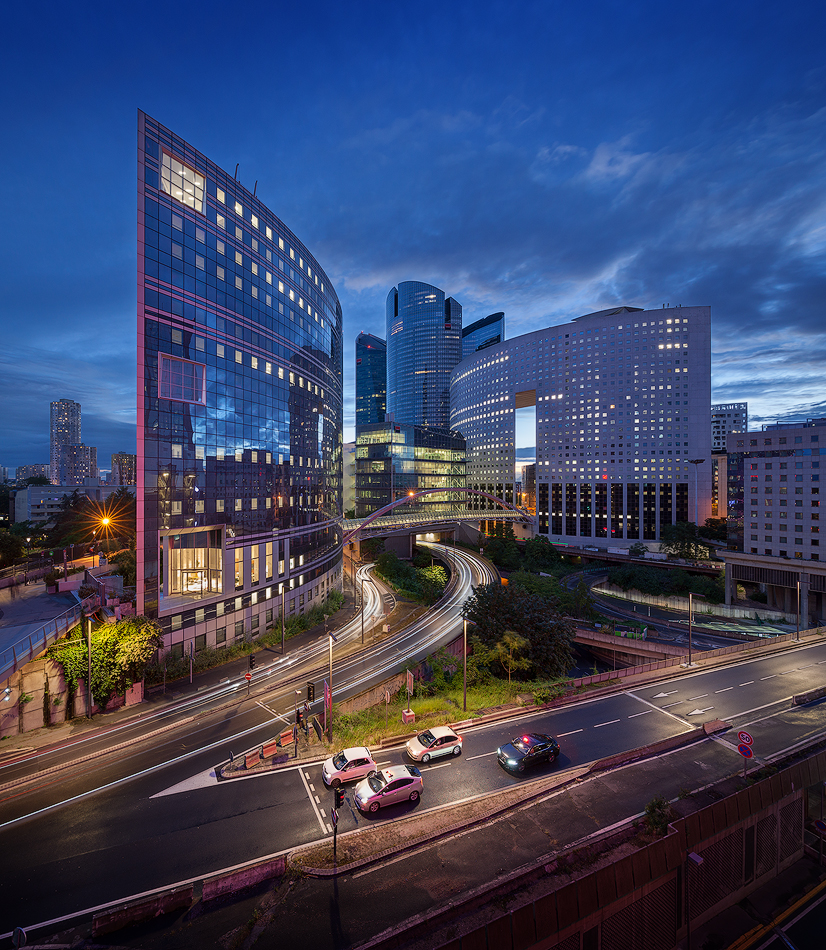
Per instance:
{"type": "Point", "coordinates": [638, 549]}
{"type": "Point", "coordinates": [432, 582]}
{"type": "Point", "coordinates": [716, 529]}
{"type": "Point", "coordinates": [496, 609]}
{"type": "Point", "coordinates": [682, 540]}
{"type": "Point", "coordinates": [11, 548]}
{"type": "Point", "coordinates": [540, 554]}
{"type": "Point", "coordinates": [120, 653]}
{"type": "Point", "coordinates": [37, 480]}
{"type": "Point", "coordinates": [506, 652]}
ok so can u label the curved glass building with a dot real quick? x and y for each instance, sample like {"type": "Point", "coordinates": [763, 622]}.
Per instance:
{"type": "Point", "coordinates": [424, 343]}
{"type": "Point", "coordinates": [239, 405]}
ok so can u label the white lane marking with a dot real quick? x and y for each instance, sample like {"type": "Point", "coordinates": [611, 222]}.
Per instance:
{"type": "Point", "coordinates": [318, 800]}
{"type": "Point", "coordinates": [329, 829]}
{"type": "Point", "coordinates": [819, 662]}
{"type": "Point", "coordinates": [669, 705]}
{"type": "Point", "coordinates": [747, 683]}
{"type": "Point", "coordinates": [723, 690]}
{"type": "Point", "coordinates": [312, 787]}
{"type": "Point", "coordinates": [609, 723]}
{"type": "Point", "coordinates": [444, 765]}
{"type": "Point", "coordinates": [307, 774]}
{"type": "Point", "coordinates": [645, 712]}
{"type": "Point", "coordinates": [701, 696]}
{"type": "Point", "coordinates": [768, 677]}
{"type": "Point", "coordinates": [562, 735]}
{"type": "Point", "coordinates": [470, 758]}
{"type": "Point", "coordinates": [310, 797]}
{"type": "Point", "coordinates": [787, 671]}
{"type": "Point", "coordinates": [274, 715]}
{"type": "Point", "coordinates": [806, 667]}
{"type": "Point", "coordinates": [658, 708]}
{"type": "Point", "coordinates": [323, 813]}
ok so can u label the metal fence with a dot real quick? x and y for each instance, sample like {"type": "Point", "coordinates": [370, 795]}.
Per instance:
{"type": "Point", "coordinates": [28, 647]}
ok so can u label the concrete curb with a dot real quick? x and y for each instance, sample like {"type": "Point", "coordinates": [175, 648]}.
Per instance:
{"type": "Point", "coordinates": [810, 696]}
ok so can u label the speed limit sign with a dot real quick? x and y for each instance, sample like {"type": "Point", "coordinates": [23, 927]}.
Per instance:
{"type": "Point", "coordinates": [745, 738]}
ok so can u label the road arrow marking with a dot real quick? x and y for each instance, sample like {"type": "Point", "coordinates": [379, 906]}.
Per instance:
{"type": "Point", "coordinates": [699, 712]}
{"type": "Point", "coordinates": [663, 695]}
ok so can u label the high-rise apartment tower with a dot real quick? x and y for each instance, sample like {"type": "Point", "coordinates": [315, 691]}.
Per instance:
{"type": "Point", "coordinates": [64, 429]}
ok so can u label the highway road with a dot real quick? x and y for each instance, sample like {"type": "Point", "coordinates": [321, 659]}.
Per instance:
{"type": "Point", "coordinates": [163, 818]}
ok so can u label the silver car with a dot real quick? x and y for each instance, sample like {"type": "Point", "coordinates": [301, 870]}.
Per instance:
{"type": "Point", "coordinates": [399, 783]}
{"type": "Point", "coordinates": [349, 765]}
{"type": "Point", "coordinates": [440, 740]}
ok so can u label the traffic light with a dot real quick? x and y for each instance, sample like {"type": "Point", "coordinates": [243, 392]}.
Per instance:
{"type": "Point", "coordinates": [310, 692]}
{"type": "Point", "coordinates": [339, 793]}
{"type": "Point", "coordinates": [252, 661]}
{"type": "Point", "coordinates": [298, 716]}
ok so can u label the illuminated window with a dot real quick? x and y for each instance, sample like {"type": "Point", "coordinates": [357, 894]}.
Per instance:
{"type": "Point", "coordinates": [182, 183]}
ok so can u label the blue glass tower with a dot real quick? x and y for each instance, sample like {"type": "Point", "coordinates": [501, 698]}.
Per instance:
{"type": "Point", "coordinates": [371, 380]}
{"type": "Point", "coordinates": [239, 405]}
{"type": "Point", "coordinates": [424, 344]}
{"type": "Point", "coordinates": [483, 333]}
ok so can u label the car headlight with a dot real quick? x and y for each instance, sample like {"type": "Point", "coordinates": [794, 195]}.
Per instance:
{"type": "Point", "coordinates": [511, 761]}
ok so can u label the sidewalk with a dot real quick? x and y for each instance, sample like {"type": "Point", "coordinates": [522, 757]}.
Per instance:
{"type": "Point", "coordinates": [24, 609]}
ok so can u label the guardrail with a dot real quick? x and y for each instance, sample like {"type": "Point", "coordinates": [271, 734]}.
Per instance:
{"type": "Point", "coordinates": [28, 647]}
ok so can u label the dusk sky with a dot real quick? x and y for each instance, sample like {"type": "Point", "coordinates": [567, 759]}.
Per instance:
{"type": "Point", "coordinates": [544, 159]}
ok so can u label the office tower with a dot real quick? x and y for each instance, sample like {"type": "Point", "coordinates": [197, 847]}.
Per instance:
{"type": "Point", "coordinates": [124, 469]}
{"type": "Point", "coordinates": [483, 333]}
{"type": "Point", "coordinates": [239, 405]}
{"type": "Point", "coordinates": [64, 429]}
{"type": "Point", "coordinates": [774, 490]}
{"type": "Point", "coordinates": [622, 410]}
{"type": "Point", "coordinates": [77, 463]}
{"type": "Point", "coordinates": [424, 343]}
{"type": "Point", "coordinates": [726, 418]}
{"type": "Point", "coordinates": [394, 459]}
{"type": "Point", "coordinates": [371, 380]}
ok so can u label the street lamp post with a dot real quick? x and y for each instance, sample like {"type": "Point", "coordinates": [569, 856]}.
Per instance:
{"type": "Point", "coordinates": [362, 610]}
{"type": "Point", "coordinates": [695, 463]}
{"type": "Point", "coordinates": [89, 671]}
{"type": "Point", "coordinates": [797, 636]}
{"type": "Point", "coordinates": [332, 640]}
{"type": "Point", "coordinates": [464, 664]}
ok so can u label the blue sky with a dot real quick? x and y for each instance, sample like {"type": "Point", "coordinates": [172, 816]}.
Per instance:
{"type": "Point", "coordinates": [544, 159]}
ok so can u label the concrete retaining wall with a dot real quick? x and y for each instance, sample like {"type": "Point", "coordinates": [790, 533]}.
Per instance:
{"type": "Point", "coordinates": [700, 607]}
{"type": "Point", "coordinates": [246, 877]}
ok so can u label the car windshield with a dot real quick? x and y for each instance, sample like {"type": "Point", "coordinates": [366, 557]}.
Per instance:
{"type": "Point", "coordinates": [340, 760]}
{"type": "Point", "coordinates": [426, 738]}
{"type": "Point", "coordinates": [377, 781]}
{"type": "Point", "coordinates": [525, 743]}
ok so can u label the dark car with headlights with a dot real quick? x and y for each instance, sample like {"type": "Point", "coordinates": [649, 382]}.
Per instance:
{"type": "Point", "coordinates": [527, 750]}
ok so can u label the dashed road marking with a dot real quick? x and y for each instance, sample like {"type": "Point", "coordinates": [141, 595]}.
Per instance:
{"type": "Point", "coordinates": [609, 723]}
{"type": "Point", "coordinates": [747, 683]}
{"type": "Point", "coordinates": [701, 696]}
{"type": "Point", "coordinates": [315, 807]}
{"type": "Point", "coordinates": [470, 758]}
{"type": "Point", "coordinates": [768, 677]}
{"type": "Point", "coordinates": [669, 705]}
{"type": "Point", "coordinates": [727, 688]}
{"type": "Point", "coordinates": [562, 735]}
{"type": "Point", "coordinates": [645, 712]}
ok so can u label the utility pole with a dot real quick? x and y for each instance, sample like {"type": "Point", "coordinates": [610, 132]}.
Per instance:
{"type": "Point", "coordinates": [89, 674]}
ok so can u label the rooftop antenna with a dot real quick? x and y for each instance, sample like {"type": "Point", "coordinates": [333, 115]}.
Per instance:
{"type": "Point", "coordinates": [256, 188]}
{"type": "Point", "coordinates": [236, 170]}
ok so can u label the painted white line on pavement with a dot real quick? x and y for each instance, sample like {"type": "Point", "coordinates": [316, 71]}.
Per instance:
{"type": "Point", "coordinates": [806, 667]}
{"type": "Point", "coordinates": [609, 723]}
{"type": "Point", "coordinates": [701, 696]}
{"type": "Point", "coordinates": [312, 787]}
{"type": "Point", "coordinates": [470, 758]}
{"type": "Point", "coordinates": [645, 712]}
{"type": "Point", "coordinates": [310, 797]}
{"type": "Point", "coordinates": [727, 688]}
{"type": "Point", "coordinates": [786, 672]}
{"type": "Point", "coordinates": [768, 677]}
{"type": "Point", "coordinates": [669, 705]}
{"type": "Point", "coordinates": [747, 683]}
{"type": "Point", "coordinates": [562, 735]}
{"type": "Point", "coordinates": [307, 774]}
{"type": "Point", "coordinates": [658, 708]}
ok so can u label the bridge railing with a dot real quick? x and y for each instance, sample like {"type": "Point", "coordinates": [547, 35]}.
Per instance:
{"type": "Point", "coordinates": [33, 644]}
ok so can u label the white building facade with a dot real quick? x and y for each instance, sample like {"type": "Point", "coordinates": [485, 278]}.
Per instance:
{"type": "Point", "coordinates": [622, 402]}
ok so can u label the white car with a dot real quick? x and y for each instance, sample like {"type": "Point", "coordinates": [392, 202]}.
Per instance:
{"type": "Point", "coordinates": [399, 783]}
{"type": "Point", "coordinates": [349, 765]}
{"type": "Point", "coordinates": [433, 742]}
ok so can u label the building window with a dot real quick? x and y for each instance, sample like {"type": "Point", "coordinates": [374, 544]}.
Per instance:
{"type": "Point", "coordinates": [181, 380]}
{"type": "Point", "coordinates": [182, 183]}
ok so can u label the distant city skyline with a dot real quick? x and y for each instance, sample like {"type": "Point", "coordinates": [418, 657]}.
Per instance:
{"type": "Point", "coordinates": [546, 165]}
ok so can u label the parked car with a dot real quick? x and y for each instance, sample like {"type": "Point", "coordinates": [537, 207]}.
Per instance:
{"type": "Point", "coordinates": [349, 765]}
{"type": "Point", "coordinates": [527, 750]}
{"type": "Point", "coordinates": [427, 745]}
{"type": "Point", "coordinates": [399, 783]}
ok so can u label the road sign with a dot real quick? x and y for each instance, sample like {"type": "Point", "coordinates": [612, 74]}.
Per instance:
{"type": "Point", "coordinates": [248, 676]}
{"type": "Point", "coordinates": [820, 825]}
{"type": "Point", "coordinates": [334, 816]}
{"type": "Point", "coordinates": [746, 751]}
{"type": "Point", "coordinates": [387, 696]}
{"type": "Point", "coordinates": [410, 682]}
{"type": "Point", "coordinates": [745, 738]}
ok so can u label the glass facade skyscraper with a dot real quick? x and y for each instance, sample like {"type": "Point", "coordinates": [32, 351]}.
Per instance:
{"type": "Point", "coordinates": [371, 380]}
{"type": "Point", "coordinates": [483, 333]}
{"type": "Point", "coordinates": [424, 344]}
{"type": "Point", "coordinates": [239, 405]}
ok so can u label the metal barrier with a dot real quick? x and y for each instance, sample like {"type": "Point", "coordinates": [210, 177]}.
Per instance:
{"type": "Point", "coordinates": [32, 645]}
